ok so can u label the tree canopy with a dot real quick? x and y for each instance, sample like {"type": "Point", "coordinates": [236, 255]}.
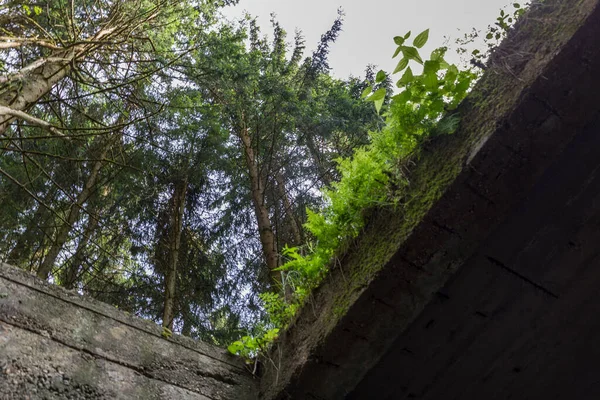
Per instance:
{"type": "Point", "coordinates": [190, 169]}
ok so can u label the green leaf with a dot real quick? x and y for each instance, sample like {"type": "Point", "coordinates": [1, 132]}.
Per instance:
{"type": "Point", "coordinates": [399, 40]}
{"type": "Point", "coordinates": [401, 65]}
{"type": "Point", "coordinates": [235, 347]}
{"type": "Point", "coordinates": [437, 106]}
{"type": "Point", "coordinates": [431, 66]}
{"type": "Point", "coordinates": [407, 78]}
{"type": "Point", "coordinates": [430, 81]}
{"type": "Point", "coordinates": [463, 84]}
{"type": "Point", "coordinates": [438, 54]}
{"type": "Point", "coordinates": [412, 54]}
{"type": "Point", "coordinates": [407, 35]}
{"type": "Point", "coordinates": [516, 5]}
{"type": "Point", "coordinates": [421, 39]}
{"type": "Point", "coordinates": [37, 10]}
{"type": "Point", "coordinates": [380, 76]}
{"type": "Point", "coordinates": [366, 92]}
{"type": "Point", "coordinates": [451, 74]}
{"type": "Point", "coordinates": [166, 332]}
{"type": "Point", "coordinates": [403, 97]}
{"type": "Point", "coordinates": [397, 52]}
{"type": "Point", "coordinates": [378, 95]}
{"type": "Point", "coordinates": [378, 105]}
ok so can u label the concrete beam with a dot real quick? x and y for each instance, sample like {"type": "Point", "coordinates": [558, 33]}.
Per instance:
{"type": "Point", "coordinates": [538, 94]}
{"type": "Point", "coordinates": [57, 344]}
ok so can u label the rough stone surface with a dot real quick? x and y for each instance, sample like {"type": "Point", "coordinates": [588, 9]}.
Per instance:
{"type": "Point", "coordinates": [55, 344]}
{"type": "Point", "coordinates": [530, 115]}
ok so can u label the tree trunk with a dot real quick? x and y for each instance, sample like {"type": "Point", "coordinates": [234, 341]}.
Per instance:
{"type": "Point", "coordinates": [73, 215]}
{"type": "Point", "coordinates": [177, 207]}
{"type": "Point", "coordinates": [23, 249]}
{"type": "Point", "coordinates": [291, 218]}
{"type": "Point", "coordinates": [323, 170]}
{"type": "Point", "coordinates": [73, 270]}
{"type": "Point", "coordinates": [265, 229]}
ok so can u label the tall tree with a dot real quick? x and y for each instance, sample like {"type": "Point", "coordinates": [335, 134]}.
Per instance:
{"type": "Point", "coordinates": [277, 106]}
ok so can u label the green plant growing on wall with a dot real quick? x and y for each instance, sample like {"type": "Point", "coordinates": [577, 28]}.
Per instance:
{"type": "Point", "coordinates": [372, 177]}
{"type": "Point", "coordinates": [492, 36]}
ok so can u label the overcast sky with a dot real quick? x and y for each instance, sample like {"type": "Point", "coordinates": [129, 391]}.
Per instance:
{"type": "Point", "coordinates": [370, 25]}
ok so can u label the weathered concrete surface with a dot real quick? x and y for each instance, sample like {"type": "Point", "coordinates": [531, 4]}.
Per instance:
{"type": "Point", "coordinates": [521, 319]}
{"type": "Point", "coordinates": [519, 174]}
{"type": "Point", "coordinates": [56, 344]}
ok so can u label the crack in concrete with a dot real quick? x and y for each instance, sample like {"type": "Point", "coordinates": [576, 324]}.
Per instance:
{"type": "Point", "coordinates": [522, 277]}
{"type": "Point", "coordinates": [139, 370]}
{"type": "Point", "coordinates": [36, 289]}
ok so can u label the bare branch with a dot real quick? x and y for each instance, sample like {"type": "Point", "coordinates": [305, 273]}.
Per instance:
{"type": "Point", "coordinates": [29, 118]}
{"type": "Point", "coordinates": [9, 42]}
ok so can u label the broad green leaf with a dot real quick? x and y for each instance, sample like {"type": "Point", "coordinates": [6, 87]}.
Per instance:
{"type": "Point", "coordinates": [430, 81]}
{"type": "Point", "coordinates": [437, 106]}
{"type": "Point", "coordinates": [431, 66]}
{"type": "Point", "coordinates": [412, 54]}
{"type": "Point", "coordinates": [438, 54]}
{"type": "Point", "coordinates": [235, 347]}
{"type": "Point", "coordinates": [378, 95]}
{"type": "Point", "coordinates": [407, 78]}
{"type": "Point", "coordinates": [463, 84]}
{"type": "Point", "coordinates": [366, 92]}
{"type": "Point", "coordinates": [378, 105]}
{"type": "Point", "coordinates": [451, 74]}
{"type": "Point", "coordinates": [407, 35]}
{"type": "Point", "coordinates": [421, 39]}
{"type": "Point", "coordinates": [399, 40]}
{"type": "Point", "coordinates": [403, 97]}
{"type": "Point", "coordinates": [401, 65]}
{"type": "Point", "coordinates": [516, 5]}
{"type": "Point", "coordinates": [397, 52]}
{"type": "Point", "coordinates": [380, 76]}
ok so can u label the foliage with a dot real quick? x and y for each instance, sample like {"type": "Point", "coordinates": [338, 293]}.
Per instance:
{"type": "Point", "coordinates": [373, 176]}
{"type": "Point", "coordinates": [133, 187]}
{"type": "Point", "coordinates": [174, 167]}
{"type": "Point", "coordinates": [492, 36]}
{"type": "Point", "coordinates": [249, 347]}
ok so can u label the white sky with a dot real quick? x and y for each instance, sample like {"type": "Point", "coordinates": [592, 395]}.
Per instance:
{"type": "Point", "coordinates": [370, 26]}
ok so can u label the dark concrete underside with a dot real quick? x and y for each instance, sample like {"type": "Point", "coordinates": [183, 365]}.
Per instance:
{"type": "Point", "coordinates": [492, 292]}
{"type": "Point", "coordinates": [521, 319]}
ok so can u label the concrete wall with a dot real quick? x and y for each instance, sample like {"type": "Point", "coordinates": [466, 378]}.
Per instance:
{"type": "Point", "coordinates": [525, 124]}
{"type": "Point", "coordinates": [55, 344]}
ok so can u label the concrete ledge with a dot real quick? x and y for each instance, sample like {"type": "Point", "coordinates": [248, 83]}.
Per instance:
{"type": "Point", "coordinates": [123, 356]}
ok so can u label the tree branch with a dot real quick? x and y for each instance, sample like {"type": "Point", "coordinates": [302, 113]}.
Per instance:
{"type": "Point", "coordinates": [29, 118]}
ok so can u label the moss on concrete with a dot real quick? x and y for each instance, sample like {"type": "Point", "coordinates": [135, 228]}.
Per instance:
{"type": "Point", "coordinates": [529, 48]}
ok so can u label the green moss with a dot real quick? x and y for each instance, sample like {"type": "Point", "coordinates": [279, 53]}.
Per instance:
{"type": "Point", "coordinates": [429, 181]}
